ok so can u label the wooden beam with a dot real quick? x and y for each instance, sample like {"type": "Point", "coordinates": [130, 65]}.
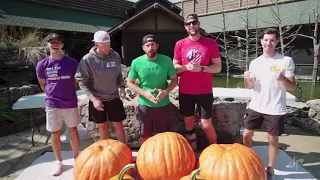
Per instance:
{"type": "Point", "coordinates": [206, 6]}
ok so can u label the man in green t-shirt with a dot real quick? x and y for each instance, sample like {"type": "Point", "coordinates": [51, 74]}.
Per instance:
{"type": "Point", "coordinates": [152, 70]}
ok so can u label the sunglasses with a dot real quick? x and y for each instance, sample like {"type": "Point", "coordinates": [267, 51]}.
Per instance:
{"type": "Point", "coordinates": [192, 22]}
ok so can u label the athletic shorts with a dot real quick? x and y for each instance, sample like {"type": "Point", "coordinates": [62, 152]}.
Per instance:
{"type": "Point", "coordinates": [274, 123]}
{"type": "Point", "coordinates": [160, 116]}
{"type": "Point", "coordinates": [55, 116]}
{"type": "Point", "coordinates": [113, 109]}
{"type": "Point", "coordinates": [187, 104]}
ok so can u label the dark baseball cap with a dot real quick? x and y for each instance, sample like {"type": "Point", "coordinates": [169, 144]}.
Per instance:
{"type": "Point", "coordinates": [191, 18]}
{"type": "Point", "coordinates": [149, 38]}
{"type": "Point", "coordinates": [54, 36]}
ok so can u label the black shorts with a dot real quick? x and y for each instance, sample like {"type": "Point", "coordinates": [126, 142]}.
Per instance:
{"type": "Point", "coordinates": [113, 109]}
{"type": "Point", "coordinates": [160, 116]}
{"type": "Point", "coordinates": [274, 123]}
{"type": "Point", "coordinates": [187, 104]}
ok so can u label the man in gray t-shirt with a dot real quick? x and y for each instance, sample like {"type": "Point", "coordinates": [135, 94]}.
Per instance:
{"type": "Point", "coordinates": [99, 76]}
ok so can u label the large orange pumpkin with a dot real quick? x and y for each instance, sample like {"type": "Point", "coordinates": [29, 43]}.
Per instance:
{"type": "Point", "coordinates": [232, 162]}
{"type": "Point", "coordinates": [166, 156]}
{"type": "Point", "coordinates": [102, 160]}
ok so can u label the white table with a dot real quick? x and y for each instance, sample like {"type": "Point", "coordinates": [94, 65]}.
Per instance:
{"type": "Point", "coordinates": [37, 101]}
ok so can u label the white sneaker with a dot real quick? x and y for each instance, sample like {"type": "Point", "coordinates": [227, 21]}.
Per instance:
{"type": "Point", "coordinates": [57, 168]}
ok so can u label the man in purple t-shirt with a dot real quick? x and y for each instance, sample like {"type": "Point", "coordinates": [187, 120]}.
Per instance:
{"type": "Point", "coordinates": [55, 74]}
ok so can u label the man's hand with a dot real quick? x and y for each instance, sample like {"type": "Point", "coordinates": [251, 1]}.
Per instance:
{"type": "Point", "coordinates": [246, 75]}
{"type": "Point", "coordinates": [161, 94]}
{"type": "Point", "coordinates": [97, 104]}
{"type": "Point", "coordinates": [123, 94]}
{"type": "Point", "coordinates": [248, 80]}
{"type": "Point", "coordinates": [193, 66]}
{"type": "Point", "coordinates": [279, 76]}
{"type": "Point", "coordinates": [149, 96]}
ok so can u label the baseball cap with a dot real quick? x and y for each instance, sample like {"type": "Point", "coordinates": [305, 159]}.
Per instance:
{"type": "Point", "coordinates": [101, 37]}
{"type": "Point", "coordinates": [53, 36]}
{"type": "Point", "coordinates": [148, 38]}
{"type": "Point", "coordinates": [191, 18]}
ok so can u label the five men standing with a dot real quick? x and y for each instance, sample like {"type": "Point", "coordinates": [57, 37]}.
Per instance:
{"type": "Point", "coordinates": [196, 58]}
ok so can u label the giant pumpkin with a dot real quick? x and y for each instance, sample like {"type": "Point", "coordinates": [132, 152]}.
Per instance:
{"type": "Point", "coordinates": [102, 160]}
{"type": "Point", "coordinates": [232, 162]}
{"type": "Point", "coordinates": [166, 156]}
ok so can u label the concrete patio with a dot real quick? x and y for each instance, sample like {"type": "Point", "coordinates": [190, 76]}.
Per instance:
{"type": "Point", "coordinates": [17, 152]}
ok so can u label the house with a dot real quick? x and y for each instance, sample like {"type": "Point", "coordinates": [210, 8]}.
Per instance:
{"type": "Point", "coordinates": [76, 20]}
{"type": "Point", "coordinates": [158, 17]}
{"type": "Point", "coordinates": [290, 15]}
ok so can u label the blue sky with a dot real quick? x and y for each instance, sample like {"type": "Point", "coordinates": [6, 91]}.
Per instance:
{"type": "Point", "coordinates": [169, 0]}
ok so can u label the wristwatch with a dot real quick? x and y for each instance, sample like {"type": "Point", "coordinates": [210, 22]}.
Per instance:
{"type": "Point", "coordinates": [202, 68]}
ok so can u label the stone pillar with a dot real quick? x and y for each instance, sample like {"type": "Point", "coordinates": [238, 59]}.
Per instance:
{"type": "Point", "coordinates": [227, 119]}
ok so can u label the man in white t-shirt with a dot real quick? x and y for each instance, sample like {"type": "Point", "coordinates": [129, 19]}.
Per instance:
{"type": "Point", "coordinates": [270, 76]}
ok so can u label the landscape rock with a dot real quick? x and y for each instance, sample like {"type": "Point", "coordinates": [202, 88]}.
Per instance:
{"type": "Point", "coordinates": [227, 119]}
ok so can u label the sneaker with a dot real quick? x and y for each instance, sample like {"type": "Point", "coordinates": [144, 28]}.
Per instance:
{"type": "Point", "coordinates": [192, 139]}
{"type": "Point", "coordinates": [270, 175]}
{"type": "Point", "coordinates": [57, 168]}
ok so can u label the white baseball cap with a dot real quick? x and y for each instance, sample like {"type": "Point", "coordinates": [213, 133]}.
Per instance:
{"type": "Point", "coordinates": [101, 37]}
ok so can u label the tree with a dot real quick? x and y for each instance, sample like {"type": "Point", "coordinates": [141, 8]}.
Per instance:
{"type": "Point", "coordinates": [287, 32]}
{"type": "Point", "coordinates": [315, 40]}
{"type": "Point", "coordinates": [251, 36]}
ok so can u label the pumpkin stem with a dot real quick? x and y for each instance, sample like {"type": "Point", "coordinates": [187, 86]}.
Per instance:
{"type": "Point", "coordinates": [195, 173]}
{"type": "Point", "coordinates": [124, 170]}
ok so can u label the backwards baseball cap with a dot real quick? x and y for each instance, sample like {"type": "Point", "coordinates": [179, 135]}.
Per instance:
{"type": "Point", "coordinates": [101, 37]}
{"type": "Point", "coordinates": [53, 36]}
{"type": "Point", "coordinates": [191, 18]}
{"type": "Point", "coordinates": [149, 38]}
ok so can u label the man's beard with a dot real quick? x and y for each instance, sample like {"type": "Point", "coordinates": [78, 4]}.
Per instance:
{"type": "Point", "coordinates": [193, 33]}
{"type": "Point", "coordinates": [152, 54]}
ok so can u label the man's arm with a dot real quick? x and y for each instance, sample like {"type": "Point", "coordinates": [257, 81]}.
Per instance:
{"type": "Point", "coordinates": [289, 83]}
{"type": "Point", "coordinates": [83, 78]}
{"type": "Point", "coordinates": [179, 68]}
{"type": "Point", "coordinates": [131, 83]}
{"type": "Point", "coordinates": [288, 78]}
{"type": "Point", "coordinates": [215, 66]}
{"type": "Point", "coordinates": [120, 81]}
{"type": "Point", "coordinates": [173, 83]}
{"type": "Point", "coordinates": [249, 82]}
{"type": "Point", "coordinates": [42, 83]}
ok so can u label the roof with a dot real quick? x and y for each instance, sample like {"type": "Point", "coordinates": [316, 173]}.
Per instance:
{"type": "Point", "coordinates": [46, 17]}
{"type": "Point", "coordinates": [291, 14]}
{"type": "Point", "coordinates": [112, 8]}
{"type": "Point", "coordinates": [142, 4]}
{"type": "Point", "coordinates": [148, 9]}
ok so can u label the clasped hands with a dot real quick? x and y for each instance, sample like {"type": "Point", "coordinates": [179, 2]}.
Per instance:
{"type": "Point", "coordinates": [161, 94]}
{"type": "Point", "coordinates": [193, 66]}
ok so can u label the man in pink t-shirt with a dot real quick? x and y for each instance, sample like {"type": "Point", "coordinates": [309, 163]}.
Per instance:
{"type": "Point", "coordinates": [196, 57]}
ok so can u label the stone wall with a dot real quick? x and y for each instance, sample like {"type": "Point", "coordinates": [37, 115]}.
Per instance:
{"type": "Point", "coordinates": [306, 118]}
{"type": "Point", "coordinates": [17, 92]}
{"type": "Point", "coordinates": [8, 54]}
{"type": "Point", "coordinates": [227, 119]}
